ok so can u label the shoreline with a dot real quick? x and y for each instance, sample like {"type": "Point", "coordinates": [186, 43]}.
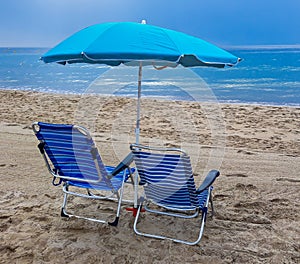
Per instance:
{"type": "Point", "coordinates": [156, 98]}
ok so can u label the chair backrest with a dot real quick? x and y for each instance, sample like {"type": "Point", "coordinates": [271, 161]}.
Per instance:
{"type": "Point", "coordinates": [71, 150]}
{"type": "Point", "coordinates": [167, 176]}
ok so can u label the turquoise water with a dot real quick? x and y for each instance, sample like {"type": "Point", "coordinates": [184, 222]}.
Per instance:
{"type": "Point", "coordinates": [265, 76]}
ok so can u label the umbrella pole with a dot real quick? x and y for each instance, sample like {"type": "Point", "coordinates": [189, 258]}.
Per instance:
{"type": "Point", "coordinates": [137, 132]}
{"type": "Point", "coordinates": [138, 113]}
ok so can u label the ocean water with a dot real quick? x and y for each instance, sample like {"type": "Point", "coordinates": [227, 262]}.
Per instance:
{"type": "Point", "coordinates": [265, 76]}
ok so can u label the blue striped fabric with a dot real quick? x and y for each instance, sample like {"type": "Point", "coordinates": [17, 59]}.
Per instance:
{"type": "Point", "coordinates": [168, 180]}
{"type": "Point", "coordinates": [70, 153]}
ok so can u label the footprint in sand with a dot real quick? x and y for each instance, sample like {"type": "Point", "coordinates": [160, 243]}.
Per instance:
{"type": "Point", "coordinates": [250, 205]}
{"type": "Point", "coordinates": [8, 165]}
{"type": "Point", "coordinates": [11, 196]}
{"type": "Point", "coordinates": [221, 197]}
{"type": "Point", "coordinates": [280, 201]}
{"type": "Point", "coordinates": [246, 187]}
{"type": "Point", "coordinates": [287, 179]}
{"type": "Point", "coordinates": [256, 219]}
{"type": "Point", "coordinates": [245, 152]}
{"type": "Point", "coordinates": [53, 197]}
{"type": "Point", "coordinates": [240, 175]}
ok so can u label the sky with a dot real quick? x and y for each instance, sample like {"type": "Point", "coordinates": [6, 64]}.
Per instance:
{"type": "Point", "coordinates": [44, 23]}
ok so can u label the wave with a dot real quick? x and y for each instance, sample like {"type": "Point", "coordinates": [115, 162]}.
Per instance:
{"type": "Point", "coordinates": [264, 47]}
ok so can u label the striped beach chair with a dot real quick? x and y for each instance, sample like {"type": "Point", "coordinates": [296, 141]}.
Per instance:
{"type": "Point", "coordinates": [74, 161]}
{"type": "Point", "coordinates": [167, 179]}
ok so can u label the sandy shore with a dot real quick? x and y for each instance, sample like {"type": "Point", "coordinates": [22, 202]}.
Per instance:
{"type": "Point", "coordinates": [257, 201]}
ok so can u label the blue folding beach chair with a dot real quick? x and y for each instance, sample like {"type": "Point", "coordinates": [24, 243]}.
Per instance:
{"type": "Point", "coordinates": [167, 178]}
{"type": "Point", "coordinates": [73, 160]}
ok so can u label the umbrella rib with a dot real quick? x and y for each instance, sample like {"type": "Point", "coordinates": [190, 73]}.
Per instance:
{"type": "Point", "coordinates": [96, 60]}
{"type": "Point", "coordinates": [122, 60]}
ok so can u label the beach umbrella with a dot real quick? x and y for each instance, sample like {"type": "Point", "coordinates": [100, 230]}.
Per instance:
{"type": "Point", "coordinates": [138, 44]}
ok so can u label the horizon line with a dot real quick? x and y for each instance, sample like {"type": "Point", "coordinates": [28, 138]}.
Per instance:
{"type": "Point", "coordinates": [263, 46]}
{"type": "Point", "coordinates": [250, 46]}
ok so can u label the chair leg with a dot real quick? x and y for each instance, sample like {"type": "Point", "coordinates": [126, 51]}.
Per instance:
{"type": "Point", "coordinates": [203, 219]}
{"type": "Point", "coordinates": [116, 221]}
{"type": "Point", "coordinates": [211, 205]}
{"type": "Point", "coordinates": [63, 212]}
{"type": "Point", "coordinates": [90, 195]}
{"type": "Point", "coordinates": [202, 225]}
{"type": "Point", "coordinates": [136, 220]}
{"type": "Point", "coordinates": [88, 192]}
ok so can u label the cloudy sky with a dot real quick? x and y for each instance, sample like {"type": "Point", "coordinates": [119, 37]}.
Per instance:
{"type": "Point", "coordinates": [44, 23]}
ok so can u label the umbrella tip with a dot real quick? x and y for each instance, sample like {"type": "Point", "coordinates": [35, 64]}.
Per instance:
{"type": "Point", "coordinates": [144, 22]}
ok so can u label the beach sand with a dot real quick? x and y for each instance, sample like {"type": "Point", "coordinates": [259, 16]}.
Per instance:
{"type": "Point", "coordinates": [256, 197]}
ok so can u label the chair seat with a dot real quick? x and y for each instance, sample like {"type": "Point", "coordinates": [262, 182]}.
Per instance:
{"type": "Point", "coordinates": [116, 181]}
{"type": "Point", "coordinates": [202, 199]}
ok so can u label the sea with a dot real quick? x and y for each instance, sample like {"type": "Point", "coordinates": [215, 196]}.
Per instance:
{"type": "Point", "coordinates": [265, 76]}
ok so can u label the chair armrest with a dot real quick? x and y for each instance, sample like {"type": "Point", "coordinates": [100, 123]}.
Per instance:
{"type": "Point", "coordinates": [208, 181]}
{"type": "Point", "coordinates": [123, 164]}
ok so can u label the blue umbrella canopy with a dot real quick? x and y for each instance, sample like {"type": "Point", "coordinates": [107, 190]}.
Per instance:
{"type": "Point", "coordinates": [133, 43]}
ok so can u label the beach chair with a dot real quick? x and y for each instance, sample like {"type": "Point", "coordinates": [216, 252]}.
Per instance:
{"type": "Point", "coordinates": [169, 187]}
{"type": "Point", "coordinates": [74, 161]}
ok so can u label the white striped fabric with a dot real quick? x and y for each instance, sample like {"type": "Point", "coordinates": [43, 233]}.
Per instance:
{"type": "Point", "coordinates": [168, 180]}
{"type": "Point", "coordinates": [70, 153]}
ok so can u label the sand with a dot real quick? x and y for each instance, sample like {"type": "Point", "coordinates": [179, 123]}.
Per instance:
{"type": "Point", "coordinates": [256, 198]}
